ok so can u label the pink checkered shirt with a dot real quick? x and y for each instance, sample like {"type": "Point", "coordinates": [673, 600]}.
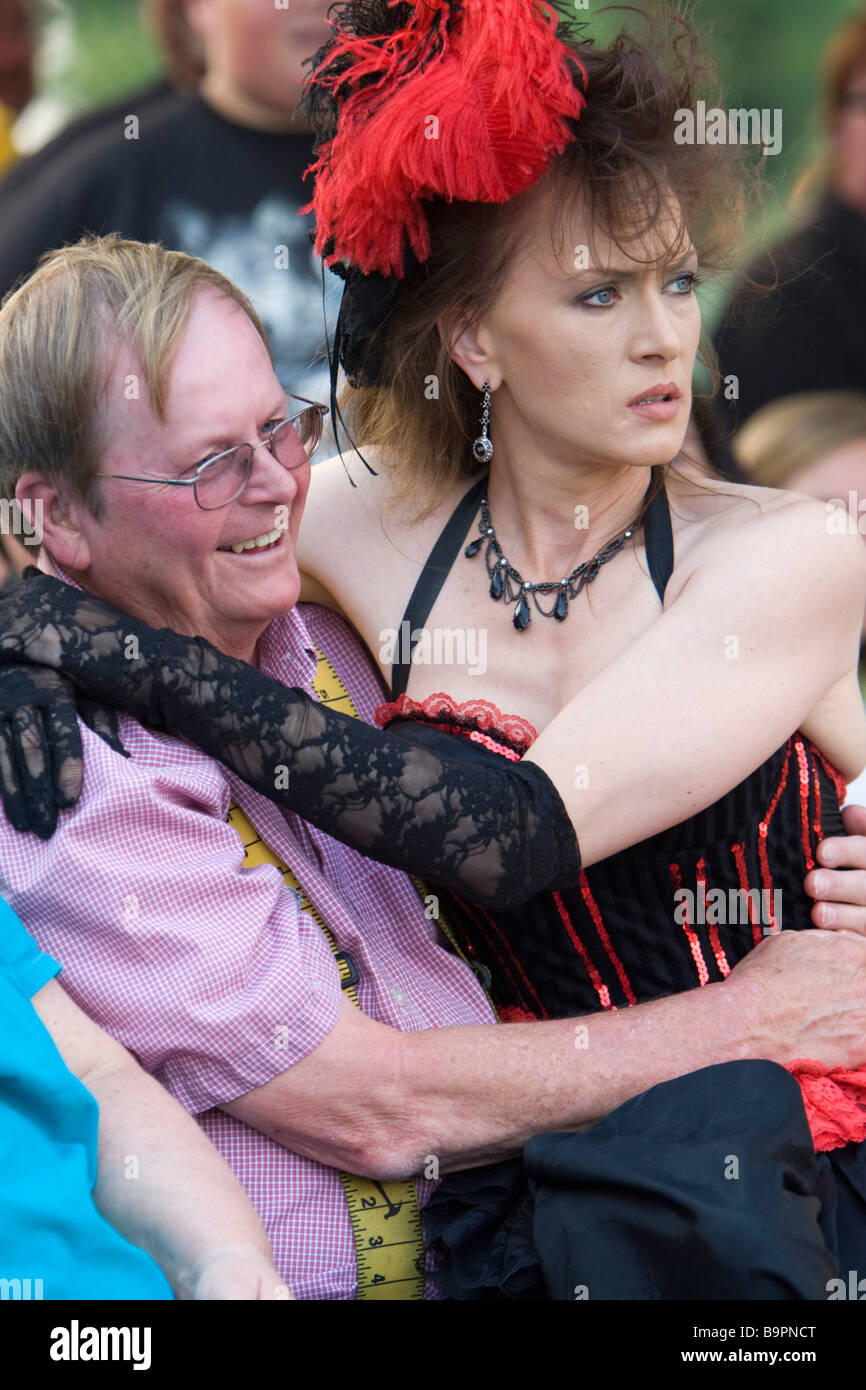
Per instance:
{"type": "Point", "coordinates": [210, 973]}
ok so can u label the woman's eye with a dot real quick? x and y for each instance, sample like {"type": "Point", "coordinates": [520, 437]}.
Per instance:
{"type": "Point", "coordinates": [688, 280]}
{"type": "Point", "coordinates": [599, 299]}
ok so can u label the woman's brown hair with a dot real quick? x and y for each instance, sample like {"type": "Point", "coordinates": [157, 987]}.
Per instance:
{"type": "Point", "coordinates": [628, 174]}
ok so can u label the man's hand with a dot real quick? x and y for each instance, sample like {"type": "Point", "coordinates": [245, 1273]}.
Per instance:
{"type": "Point", "coordinates": [839, 886]}
{"type": "Point", "coordinates": [235, 1272]}
{"type": "Point", "coordinates": [806, 994]}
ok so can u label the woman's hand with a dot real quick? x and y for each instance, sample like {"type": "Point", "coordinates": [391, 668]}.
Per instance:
{"type": "Point", "coordinates": [40, 745]}
{"type": "Point", "coordinates": [839, 884]}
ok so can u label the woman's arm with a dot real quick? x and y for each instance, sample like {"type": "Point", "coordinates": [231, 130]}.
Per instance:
{"type": "Point", "coordinates": [185, 1206]}
{"type": "Point", "coordinates": [767, 622]}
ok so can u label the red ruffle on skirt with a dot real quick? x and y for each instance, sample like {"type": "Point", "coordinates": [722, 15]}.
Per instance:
{"type": "Point", "coordinates": [835, 1101]}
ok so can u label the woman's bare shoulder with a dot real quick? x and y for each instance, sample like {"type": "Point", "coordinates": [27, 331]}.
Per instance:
{"type": "Point", "coordinates": [344, 525]}
{"type": "Point", "coordinates": [711, 514]}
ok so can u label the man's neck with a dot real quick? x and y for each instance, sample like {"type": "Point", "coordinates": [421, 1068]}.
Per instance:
{"type": "Point", "coordinates": [244, 110]}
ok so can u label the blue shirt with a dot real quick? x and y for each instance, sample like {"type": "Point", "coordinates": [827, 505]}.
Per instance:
{"type": "Point", "coordinates": [54, 1243]}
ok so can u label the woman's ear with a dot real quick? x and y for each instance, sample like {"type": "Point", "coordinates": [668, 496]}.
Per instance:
{"type": "Point", "coordinates": [468, 346]}
{"type": "Point", "coordinates": [52, 520]}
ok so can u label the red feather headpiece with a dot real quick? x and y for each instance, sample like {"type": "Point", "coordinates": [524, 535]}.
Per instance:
{"type": "Point", "coordinates": [432, 99]}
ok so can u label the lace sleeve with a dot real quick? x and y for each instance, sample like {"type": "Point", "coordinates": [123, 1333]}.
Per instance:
{"type": "Point", "coordinates": [497, 834]}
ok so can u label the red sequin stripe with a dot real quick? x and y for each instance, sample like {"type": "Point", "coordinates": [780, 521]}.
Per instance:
{"type": "Point", "coordinates": [457, 731]}
{"type": "Point", "coordinates": [618, 966]}
{"type": "Point", "coordinates": [739, 853]}
{"type": "Point", "coordinates": [832, 772]}
{"type": "Point", "coordinates": [598, 984]}
{"type": "Point", "coordinates": [475, 914]}
{"type": "Point", "coordinates": [477, 737]}
{"type": "Point", "coordinates": [721, 958]}
{"type": "Point", "coordinates": [816, 823]}
{"type": "Point", "coordinates": [694, 943]}
{"type": "Point", "coordinates": [763, 831]}
{"type": "Point", "coordinates": [803, 765]}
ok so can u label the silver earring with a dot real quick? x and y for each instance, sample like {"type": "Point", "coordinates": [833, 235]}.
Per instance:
{"type": "Point", "coordinates": [483, 446]}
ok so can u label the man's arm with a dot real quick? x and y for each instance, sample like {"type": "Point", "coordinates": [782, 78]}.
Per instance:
{"type": "Point", "coordinates": [217, 982]}
{"type": "Point", "coordinates": [380, 1103]}
{"type": "Point", "coordinates": [184, 1206]}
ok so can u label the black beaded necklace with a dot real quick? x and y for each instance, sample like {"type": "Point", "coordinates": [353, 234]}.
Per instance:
{"type": "Point", "coordinates": [507, 583]}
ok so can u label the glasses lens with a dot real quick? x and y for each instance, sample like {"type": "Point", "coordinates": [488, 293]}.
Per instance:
{"type": "Point", "coordinates": [221, 481]}
{"type": "Point", "coordinates": [295, 440]}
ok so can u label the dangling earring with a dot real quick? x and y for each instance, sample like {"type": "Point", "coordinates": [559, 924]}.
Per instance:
{"type": "Point", "coordinates": [483, 446]}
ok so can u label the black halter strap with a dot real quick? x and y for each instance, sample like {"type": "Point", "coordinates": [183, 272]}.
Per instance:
{"type": "Point", "coordinates": [431, 579]}
{"type": "Point", "coordinates": [658, 539]}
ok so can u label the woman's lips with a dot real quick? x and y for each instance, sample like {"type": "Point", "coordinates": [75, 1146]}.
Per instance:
{"type": "Point", "coordinates": [657, 410]}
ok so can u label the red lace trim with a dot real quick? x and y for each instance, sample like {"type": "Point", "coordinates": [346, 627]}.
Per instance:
{"type": "Point", "coordinates": [474, 714]}
{"type": "Point", "coordinates": [835, 1101]}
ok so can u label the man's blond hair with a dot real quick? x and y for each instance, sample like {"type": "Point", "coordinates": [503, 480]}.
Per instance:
{"type": "Point", "coordinates": [60, 332]}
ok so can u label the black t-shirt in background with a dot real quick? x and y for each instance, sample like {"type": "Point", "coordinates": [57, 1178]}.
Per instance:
{"type": "Point", "coordinates": [198, 183]}
{"type": "Point", "coordinates": [805, 335]}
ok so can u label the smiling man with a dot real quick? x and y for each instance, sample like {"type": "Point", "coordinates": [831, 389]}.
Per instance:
{"type": "Point", "coordinates": [139, 404]}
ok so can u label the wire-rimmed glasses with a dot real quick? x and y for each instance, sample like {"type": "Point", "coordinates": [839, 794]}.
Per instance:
{"type": "Point", "coordinates": [221, 479]}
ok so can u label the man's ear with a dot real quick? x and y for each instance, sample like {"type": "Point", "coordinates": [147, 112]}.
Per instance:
{"type": "Point", "coordinates": [47, 512]}
{"type": "Point", "coordinates": [199, 17]}
{"type": "Point", "coordinates": [469, 347]}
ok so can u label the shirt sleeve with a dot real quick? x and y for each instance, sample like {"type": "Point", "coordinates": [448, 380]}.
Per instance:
{"type": "Point", "coordinates": [21, 960]}
{"type": "Point", "coordinates": [209, 973]}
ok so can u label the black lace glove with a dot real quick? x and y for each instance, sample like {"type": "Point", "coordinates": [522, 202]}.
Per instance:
{"type": "Point", "coordinates": [497, 834]}
{"type": "Point", "coordinates": [40, 745]}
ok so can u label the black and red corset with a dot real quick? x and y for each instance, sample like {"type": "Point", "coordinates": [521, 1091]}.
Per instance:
{"type": "Point", "coordinates": [675, 911]}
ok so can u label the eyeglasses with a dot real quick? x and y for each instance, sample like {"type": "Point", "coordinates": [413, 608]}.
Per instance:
{"type": "Point", "coordinates": [221, 479]}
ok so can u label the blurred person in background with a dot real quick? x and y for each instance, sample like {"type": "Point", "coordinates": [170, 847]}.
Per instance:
{"type": "Point", "coordinates": [182, 53]}
{"type": "Point", "coordinates": [17, 52]}
{"type": "Point", "coordinates": [215, 172]}
{"type": "Point", "coordinates": [804, 333]}
{"type": "Point", "coordinates": [813, 443]}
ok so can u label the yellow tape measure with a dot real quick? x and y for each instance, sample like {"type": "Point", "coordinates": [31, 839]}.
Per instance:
{"type": "Point", "coordinates": [385, 1217]}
